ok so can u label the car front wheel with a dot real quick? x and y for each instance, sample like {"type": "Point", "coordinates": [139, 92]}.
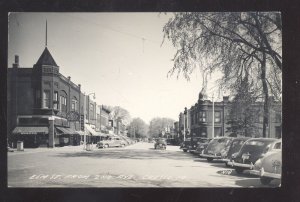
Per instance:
{"type": "Point", "coordinates": [239, 170]}
{"type": "Point", "coordinates": [209, 159]}
{"type": "Point", "coordinates": [265, 180]}
{"type": "Point", "coordinates": [184, 150]}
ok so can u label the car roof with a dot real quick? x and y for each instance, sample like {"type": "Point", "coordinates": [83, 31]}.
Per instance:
{"type": "Point", "coordinates": [223, 137]}
{"type": "Point", "coordinates": [263, 139]}
{"type": "Point", "coordinates": [241, 138]}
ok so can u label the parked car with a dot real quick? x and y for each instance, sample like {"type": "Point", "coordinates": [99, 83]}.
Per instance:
{"type": "Point", "coordinates": [202, 145]}
{"type": "Point", "coordinates": [185, 145]}
{"type": "Point", "coordinates": [171, 141]}
{"type": "Point", "coordinates": [217, 148]}
{"type": "Point", "coordinates": [251, 151]}
{"type": "Point", "coordinates": [196, 142]}
{"type": "Point", "coordinates": [160, 143]}
{"type": "Point", "coordinates": [234, 147]}
{"type": "Point", "coordinates": [111, 142]}
{"type": "Point", "coordinates": [268, 167]}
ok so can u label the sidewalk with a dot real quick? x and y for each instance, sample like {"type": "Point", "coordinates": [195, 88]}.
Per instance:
{"type": "Point", "coordinates": [45, 149]}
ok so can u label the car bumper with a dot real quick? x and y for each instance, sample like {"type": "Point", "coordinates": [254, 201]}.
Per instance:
{"type": "Point", "coordinates": [262, 173]}
{"type": "Point", "coordinates": [224, 160]}
{"type": "Point", "coordinates": [241, 165]}
{"type": "Point", "coordinates": [210, 156]}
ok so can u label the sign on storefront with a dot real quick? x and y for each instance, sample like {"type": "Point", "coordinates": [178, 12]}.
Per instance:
{"type": "Point", "coordinates": [82, 122]}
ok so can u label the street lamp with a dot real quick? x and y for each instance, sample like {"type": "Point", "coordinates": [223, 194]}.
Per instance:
{"type": "Point", "coordinates": [84, 116]}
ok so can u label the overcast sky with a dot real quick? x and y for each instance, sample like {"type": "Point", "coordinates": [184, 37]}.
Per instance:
{"type": "Point", "coordinates": [116, 55]}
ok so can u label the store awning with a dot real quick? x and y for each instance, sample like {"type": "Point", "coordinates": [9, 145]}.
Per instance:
{"type": "Point", "coordinates": [30, 130]}
{"type": "Point", "coordinates": [66, 131]}
{"type": "Point", "coordinates": [63, 130]}
{"type": "Point", "coordinates": [91, 130]}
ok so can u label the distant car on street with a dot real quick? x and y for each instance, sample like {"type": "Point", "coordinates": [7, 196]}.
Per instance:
{"type": "Point", "coordinates": [217, 148]}
{"type": "Point", "coordinates": [252, 150]}
{"type": "Point", "coordinates": [234, 148]}
{"type": "Point", "coordinates": [269, 167]}
{"type": "Point", "coordinates": [111, 142]}
{"type": "Point", "coordinates": [160, 143]}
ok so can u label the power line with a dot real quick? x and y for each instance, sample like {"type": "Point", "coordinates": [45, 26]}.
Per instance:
{"type": "Point", "coordinates": [118, 31]}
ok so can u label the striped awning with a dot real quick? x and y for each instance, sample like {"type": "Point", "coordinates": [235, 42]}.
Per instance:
{"type": "Point", "coordinates": [34, 130]}
{"type": "Point", "coordinates": [66, 131]}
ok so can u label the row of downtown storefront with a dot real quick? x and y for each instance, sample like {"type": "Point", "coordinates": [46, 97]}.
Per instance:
{"type": "Point", "coordinates": [63, 131]}
{"type": "Point", "coordinates": [46, 109]}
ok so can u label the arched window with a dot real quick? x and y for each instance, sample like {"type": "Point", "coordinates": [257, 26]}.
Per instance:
{"type": "Point", "coordinates": [74, 106]}
{"type": "Point", "coordinates": [63, 101]}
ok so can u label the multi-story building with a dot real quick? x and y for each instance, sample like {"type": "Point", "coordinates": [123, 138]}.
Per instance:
{"type": "Point", "coordinates": [201, 118]}
{"type": "Point", "coordinates": [43, 105]}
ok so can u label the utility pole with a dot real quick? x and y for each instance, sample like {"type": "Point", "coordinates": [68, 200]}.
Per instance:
{"type": "Point", "coordinates": [184, 126]}
{"type": "Point", "coordinates": [84, 114]}
{"type": "Point", "coordinates": [213, 117]}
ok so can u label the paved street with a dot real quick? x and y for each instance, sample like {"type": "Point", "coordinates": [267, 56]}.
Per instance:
{"type": "Point", "coordinates": [137, 165]}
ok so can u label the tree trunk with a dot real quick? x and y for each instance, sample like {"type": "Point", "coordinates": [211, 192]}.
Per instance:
{"type": "Point", "coordinates": [266, 96]}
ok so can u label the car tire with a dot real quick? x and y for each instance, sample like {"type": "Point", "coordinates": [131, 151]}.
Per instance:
{"type": "Point", "coordinates": [239, 170]}
{"type": "Point", "coordinates": [184, 150]}
{"type": "Point", "coordinates": [265, 180]}
{"type": "Point", "coordinates": [209, 159]}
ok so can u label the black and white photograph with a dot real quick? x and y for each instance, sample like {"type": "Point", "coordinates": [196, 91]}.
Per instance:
{"type": "Point", "coordinates": [144, 99]}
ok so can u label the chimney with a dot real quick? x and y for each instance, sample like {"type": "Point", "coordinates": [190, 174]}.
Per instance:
{"type": "Point", "coordinates": [79, 86]}
{"type": "Point", "coordinates": [69, 78]}
{"type": "Point", "coordinates": [225, 98]}
{"type": "Point", "coordinates": [16, 64]}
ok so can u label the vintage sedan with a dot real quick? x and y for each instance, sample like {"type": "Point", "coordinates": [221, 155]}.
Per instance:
{"type": "Point", "coordinates": [217, 148]}
{"type": "Point", "coordinates": [202, 145]}
{"type": "Point", "coordinates": [111, 142]}
{"type": "Point", "coordinates": [185, 145]}
{"type": "Point", "coordinates": [234, 148]}
{"type": "Point", "coordinates": [160, 143]}
{"type": "Point", "coordinates": [268, 167]}
{"type": "Point", "coordinates": [251, 151]}
{"type": "Point", "coordinates": [195, 141]}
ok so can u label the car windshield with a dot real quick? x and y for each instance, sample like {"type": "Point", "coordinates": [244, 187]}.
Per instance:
{"type": "Point", "coordinates": [203, 140]}
{"type": "Point", "coordinates": [161, 141]}
{"type": "Point", "coordinates": [277, 145]}
{"type": "Point", "coordinates": [224, 141]}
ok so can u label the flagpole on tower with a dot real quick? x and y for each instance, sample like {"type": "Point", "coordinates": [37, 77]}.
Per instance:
{"type": "Point", "coordinates": [46, 34]}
